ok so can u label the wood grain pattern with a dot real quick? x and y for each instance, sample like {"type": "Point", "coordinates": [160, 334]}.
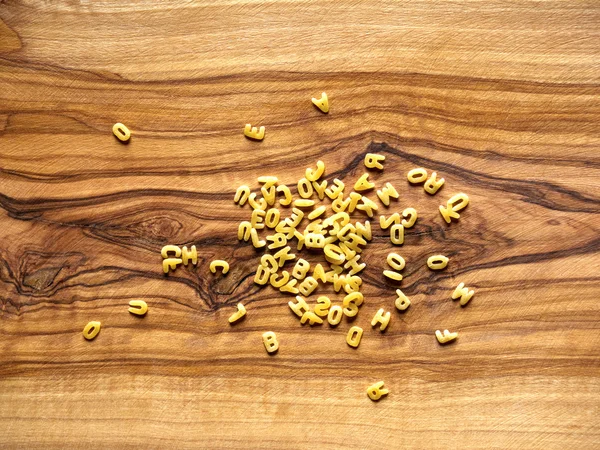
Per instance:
{"type": "Point", "coordinates": [499, 97]}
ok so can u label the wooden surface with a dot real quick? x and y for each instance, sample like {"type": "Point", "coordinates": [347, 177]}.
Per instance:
{"type": "Point", "coordinates": [501, 98]}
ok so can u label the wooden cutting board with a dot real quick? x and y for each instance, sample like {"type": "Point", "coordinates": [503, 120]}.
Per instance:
{"type": "Point", "coordinates": [501, 99]}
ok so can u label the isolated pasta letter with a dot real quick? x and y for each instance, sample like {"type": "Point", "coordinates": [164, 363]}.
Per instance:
{"type": "Point", "coordinates": [432, 185]}
{"type": "Point", "coordinates": [121, 132]}
{"type": "Point", "coordinates": [386, 192]}
{"type": "Point", "coordinates": [376, 391]}
{"type": "Point", "coordinates": [445, 337]}
{"type": "Point", "coordinates": [397, 234]}
{"type": "Point", "coordinates": [219, 263]}
{"type": "Point", "coordinates": [300, 307]}
{"type": "Point", "coordinates": [241, 195]}
{"type": "Point", "coordinates": [270, 341]}
{"type": "Point", "coordinates": [416, 176]}
{"type": "Point", "coordinates": [241, 312]}
{"type": "Point", "coordinates": [373, 161]}
{"type": "Point", "coordinates": [138, 307]}
{"type": "Point", "coordinates": [463, 293]}
{"type": "Point", "coordinates": [402, 302]}
{"type": "Point", "coordinates": [437, 262]}
{"type": "Point", "coordinates": [455, 204]}
{"type": "Point", "coordinates": [91, 330]}
{"type": "Point", "coordinates": [410, 217]}
{"type": "Point", "coordinates": [254, 133]}
{"type": "Point", "coordinates": [395, 261]}
{"type": "Point", "coordinates": [353, 336]}
{"type": "Point", "coordinates": [322, 103]}
{"type": "Point", "coordinates": [382, 318]}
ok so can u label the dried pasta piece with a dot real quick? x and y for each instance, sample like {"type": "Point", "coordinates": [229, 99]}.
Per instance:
{"type": "Point", "coordinates": [432, 185]}
{"type": "Point", "coordinates": [257, 218]}
{"type": "Point", "coordinates": [395, 261]}
{"type": "Point", "coordinates": [386, 223]}
{"type": "Point", "coordinates": [138, 307]}
{"type": "Point", "coordinates": [373, 161]}
{"type": "Point", "coordinates": [272, 217]}
{"type": "Point", "coordinates": [402, 302]}
{"type": "Point", "coordinates": [269, 194]}
{"type": "Point", "coordinates": [351, 303]}
{"type": "Point", "coordinates": [376, 391]}
{"type": "Point", "coordinates": [241, 312]}
{"type": "Point", "coordinates": [317, 212]}
{"type": "Point", "coordinates": [314, 240]}
{"type": "Point", "coordinates": [300, 269]}
{"type": "Point", "coordinates": [304, 203]}
{"type": "Point", "coordinates": [268, 180]}
{"type": "Point", "coordinates": [463, 293]}
{"type": "Point", "coordinates": [348, 252]}
{"type": "Point", "coordinates": [281, 281]}
{"type": "Point", "coordinates": [171, 263]}
{"type": "Point", "coordinates": [335, 315]}
{"type": "Point", "coordinates": [244, 231]}
{"type": "Point", "coordinates": [319, 273]}
{"type": "Point", "coordinates": [241, 195]}
{"type": "Point", "coordinates": [256, 241]}
{"type": "Point", "coordinates": [278, 240]}
{"type": "Point", "coordinates": [367, 206]}
{"type": "Point", "coordinates": [296, 217]}
{"type": "Point", "coordinates": [354, 199]}
{"type": "Point", "coordinates": [262, 275]}
{"type": "Point", "coordinates": [417, 176]}
{"type": "Point", "coordinates": [382, 318]}
{"type": "Point", "coordinates": [256, 204]}
{"type": "Point", "coordinates": [287, 195]}
{"type": "Point", "coordinates": [334, 254]}
{"type": "Point", "coordinates": [254, 133]}
{"type": "Point", "coordinates": [91, 330]}
{"type": "Point", "coordinates": [363, 183]}
{"type": "Point", "coordinates": [455, 204]}
{"type": "Point", "coordinates": [219, 263]}
{"type": "Point", "coordinates": [300, 307]}
{"type": "Point", "coordinates": [392, 275]}
{"type": "Point", "coordinates": [334, 193]}
{"type": "Point", "coordinates": [364, 231]}
{"type": "Point", "coordinates": [189, 255]}
{"type": "Point", "coordinates": [354, 335]}
{"type": "Point", "coordinates": [322, 307]}
{"type": "Point", "coordinates": [314, 175]}
{"type": "Point", "coordinates": [353, 265]}
{"type": "Point", "coordinates": [322, 103]}
{"type": "Point", "coordinates": [270, 341]}
{"type": "Point", "coordinates": [284, 255]}
{"type": "Point", "coordinates": [340, 204]}
{"type": "Point", "coordinates": [411, 213]}
{"type": "Point", "coordinates": [289, 287]}
{"type": "Point", "coordinates": [397, 234]}
{"type": "Point", "coordinates": [305, 189]}
{"type": "Point", "coordinates": [269, 262]}
{"type": "Point", "coordinates": [320, 188]}
{"type": "Point", "coordinates": [121, 132]}
{"type": "Point", "coordinates": [387, 192]}
{"type": "Point", "coordinates": [437, 262]}
{"type": "Point", "coordinates": [308, 285]}
{"type": "Point", "coordinates": [164, 252]}
{"type": "Point", "coordinates": [445, 337]}
{"type": "Point", "coordinates": [311, 317]}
